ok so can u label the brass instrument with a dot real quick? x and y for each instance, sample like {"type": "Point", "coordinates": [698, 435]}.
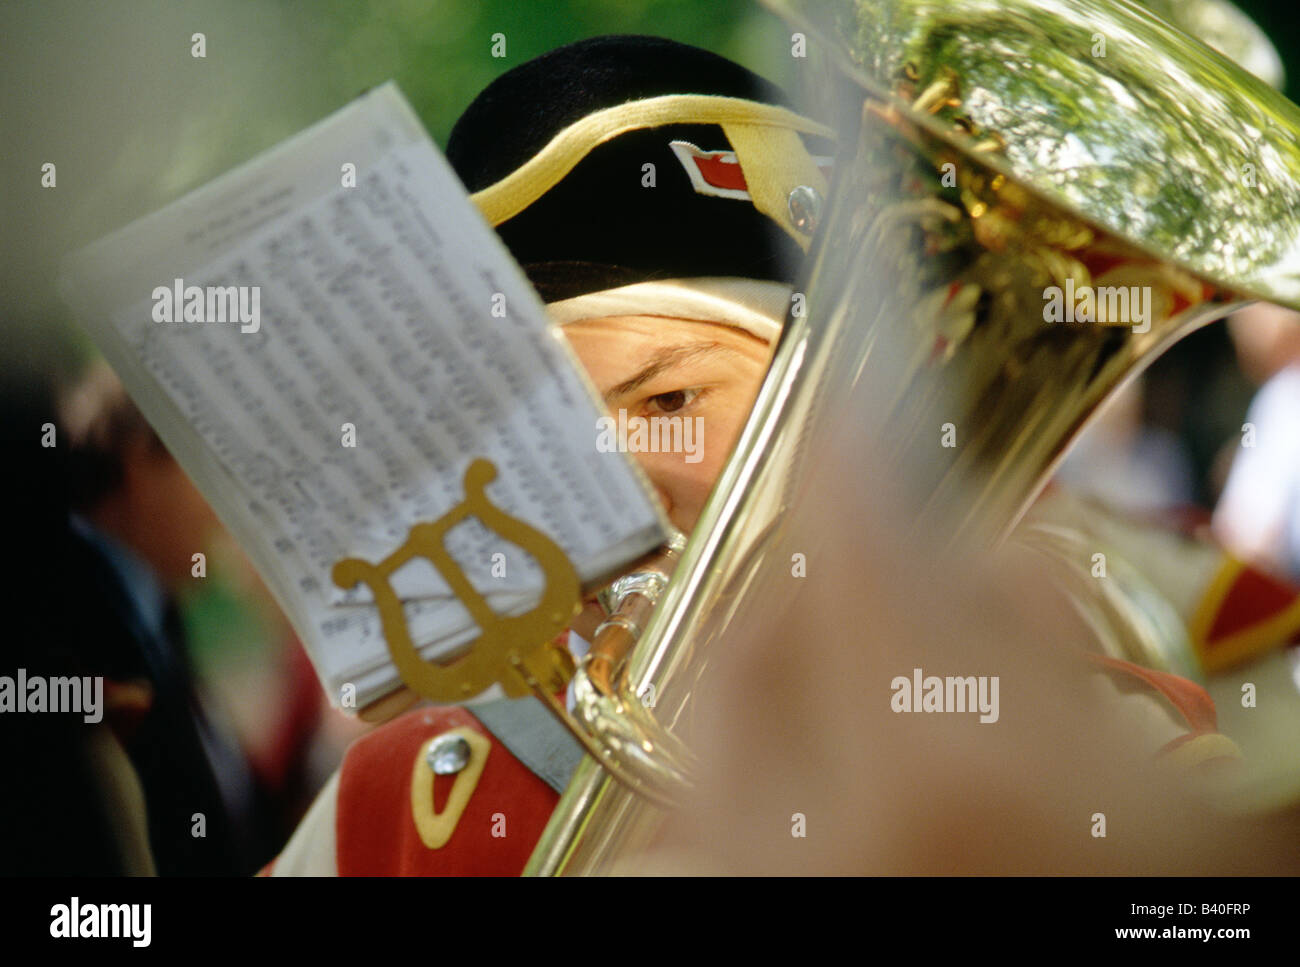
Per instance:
{"type": "Point", "coordinates": [650, 760]}
{"type": "Point", "coordinates": [994, 156]}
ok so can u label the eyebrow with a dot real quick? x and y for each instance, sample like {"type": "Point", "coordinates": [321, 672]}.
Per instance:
{"type": "Point", "coordinates": [664, 359]}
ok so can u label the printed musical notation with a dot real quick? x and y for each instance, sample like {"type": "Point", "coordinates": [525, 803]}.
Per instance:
{"type": "Point", "coordinates": [377, 373]}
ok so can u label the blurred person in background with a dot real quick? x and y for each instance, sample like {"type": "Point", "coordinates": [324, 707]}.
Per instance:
{"type": "Point", "coordinates": [1128, 463]}
{"type": "Point", "coordinates": [72, 802]}
{"type": "Point", "coordinates": [211, 736]}
{"type": "Point", "coordinates": [1258, 516]}
{"type": "Point", "coordinates": [135, 526]}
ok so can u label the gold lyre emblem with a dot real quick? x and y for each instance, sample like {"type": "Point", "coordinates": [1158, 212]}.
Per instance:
{"type": "Point", "coordinates": [515, 651]}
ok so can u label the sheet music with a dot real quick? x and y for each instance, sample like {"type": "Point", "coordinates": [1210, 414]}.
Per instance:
{"type": "Point", "coordinates": [389, 311]}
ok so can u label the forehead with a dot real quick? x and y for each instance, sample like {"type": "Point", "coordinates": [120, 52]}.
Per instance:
{"type": "Point", "coordinates": [629, 335]}
{"type": "Point", "coordinates": [620, 350]}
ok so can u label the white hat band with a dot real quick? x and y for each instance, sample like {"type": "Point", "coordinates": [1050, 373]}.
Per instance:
{"type": "Point", "coordinates": [755, 306]}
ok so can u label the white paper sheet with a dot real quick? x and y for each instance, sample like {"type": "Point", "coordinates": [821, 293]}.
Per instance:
{"type": "Point", "coordinates": [376, 310]}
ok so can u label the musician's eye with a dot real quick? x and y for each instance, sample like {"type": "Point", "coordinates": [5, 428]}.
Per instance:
{"type": "Point", "coordinates": [672, 402]}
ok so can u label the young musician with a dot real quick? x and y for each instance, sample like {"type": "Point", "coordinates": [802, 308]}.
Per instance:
{"type": "Point", "coordinates": [618, 172]}
{"type": "Point", "coordinates": [646, 189]}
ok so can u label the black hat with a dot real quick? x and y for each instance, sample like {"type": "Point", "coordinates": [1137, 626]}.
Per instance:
{"type": "Point", "coordinates": [626, 159]}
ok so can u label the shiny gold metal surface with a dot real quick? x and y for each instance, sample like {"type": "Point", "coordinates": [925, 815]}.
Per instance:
{"type": "Point", "coordinates": [999, 160]}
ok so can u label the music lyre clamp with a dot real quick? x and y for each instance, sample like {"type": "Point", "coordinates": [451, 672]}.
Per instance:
{"type": "Point", "coordinates": [515, 651]}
